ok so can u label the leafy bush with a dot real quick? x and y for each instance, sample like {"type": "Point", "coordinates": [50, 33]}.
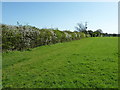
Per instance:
{"type": "Point", "coordinates": [25, 37]}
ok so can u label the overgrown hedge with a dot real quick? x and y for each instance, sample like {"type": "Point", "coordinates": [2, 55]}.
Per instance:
{"type": "Point", "coordinates": [25, 37]}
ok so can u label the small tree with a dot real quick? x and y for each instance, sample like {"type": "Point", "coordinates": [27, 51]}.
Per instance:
{"type": "Point", "coordinates": [90, 32]}
{"type": "Point", "coordinates": [98, 32]}
{"type": "Point", "coordinates": [81, 28]}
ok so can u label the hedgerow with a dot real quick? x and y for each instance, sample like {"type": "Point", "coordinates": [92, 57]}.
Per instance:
{"type": "Point", "coordinates": [26, 37]}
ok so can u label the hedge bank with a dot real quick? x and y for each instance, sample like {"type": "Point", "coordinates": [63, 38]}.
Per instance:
{"type": "Point", "coordinates": [26, 37]}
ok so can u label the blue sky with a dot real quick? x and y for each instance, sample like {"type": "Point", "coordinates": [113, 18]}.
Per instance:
{"type": "Point", "coordinates": [62, 15]}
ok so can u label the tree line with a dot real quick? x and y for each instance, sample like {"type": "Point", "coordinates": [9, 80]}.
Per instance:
{"type": "Point", "coordinates": [23, 37]}
{"type": "Point", "coordinates": [98, 33]}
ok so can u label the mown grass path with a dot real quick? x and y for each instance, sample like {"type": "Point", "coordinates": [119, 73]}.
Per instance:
{"type": "Point", "coordinates": [85, 63]}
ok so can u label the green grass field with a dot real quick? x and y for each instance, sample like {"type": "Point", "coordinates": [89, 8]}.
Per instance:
{"type": "Point", "coordinates": [85, 63]}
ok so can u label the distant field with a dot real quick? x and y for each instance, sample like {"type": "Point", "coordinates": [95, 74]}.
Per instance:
{"type": "Point", "coordinates": [85, 63]}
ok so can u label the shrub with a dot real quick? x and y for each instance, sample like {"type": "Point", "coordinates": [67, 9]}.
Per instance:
{"type": "Point", "coordinates": [25, 37]}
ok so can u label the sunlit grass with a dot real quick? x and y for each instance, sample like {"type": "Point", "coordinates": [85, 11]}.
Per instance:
{"type": "Point", "coordinates": [85, 63]}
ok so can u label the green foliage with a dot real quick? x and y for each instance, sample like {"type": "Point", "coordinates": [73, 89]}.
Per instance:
{"type": "Point", "coordinates": [85, 63]}
{"type": "Point", "coordinates": [26, 37]}
{"type": "Point", "coordinates": [82, 35]}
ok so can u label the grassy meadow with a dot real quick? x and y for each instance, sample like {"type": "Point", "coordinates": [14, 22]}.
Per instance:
{"type": "Point", "coordinates": [86, 63]}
